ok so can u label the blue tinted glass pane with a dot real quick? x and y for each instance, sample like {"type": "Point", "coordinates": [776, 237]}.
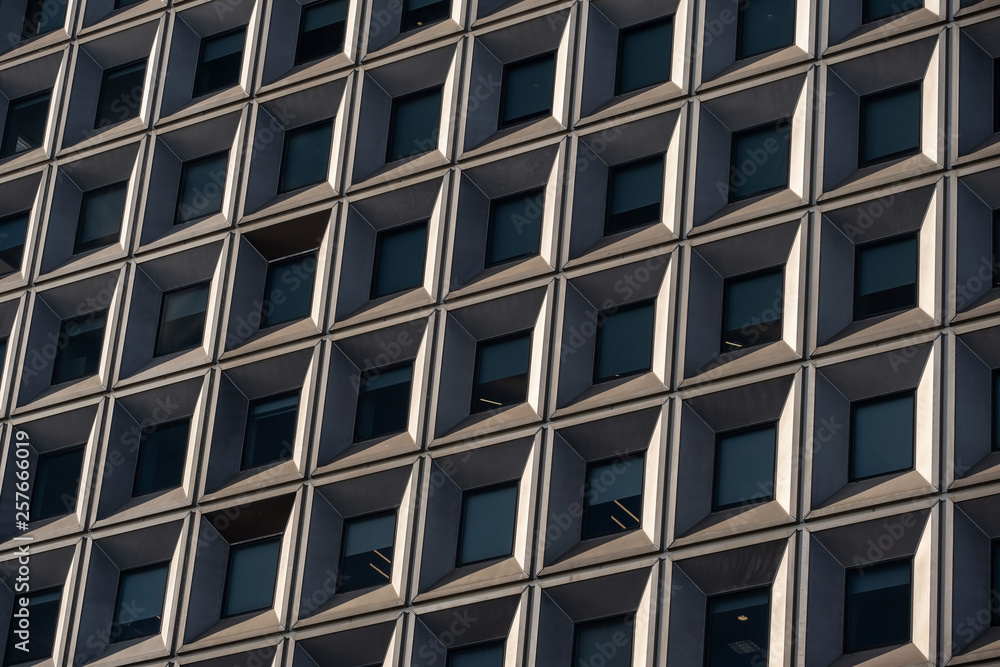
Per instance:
{"type": "Point", "coordinates": [880, 9]}
{"type": "Point", "coordinates": [882, 436]}
{"type": "Point", "coordinates": [13, 230]}
{"type": "Point", "coordinates": [43, 610]}
{"type": "Point", "coordinates": [501, 372]}
{"type": "Point", "coordinates": [140, 602]}
{"type": "Point", "coordinates": [886, 277]}
{"type": "Point", "coordinates": [515, 227]}
{"type": "Point", "coordinates": [400, 264]}
{"type": "Point", "coordinates": [81, 353]}
{"type": "Point", "coordinates": [253, 568]}
{"type": "Point", "coordinates": [625, 342]}
{"type": "Point", "coordinates": [417, 13]}
{"type": "Point", "coordinates": [384, 403]}
{"type": "Point", "coordinates": [607, 642]}
{"type": "Point", "coordinates": [366, 558]}
{"type": "Point", "coordinates": [738, 627]}
{"type": "Point", "coordinates": [527, 89]}
{"type": "Point", "coordinates": [25, 126]}
{"type": "Point", "coordinates": [220, 62]}
{"type": "Point", "coordinates": [760, 162]}
{"type": "Point", "coordinates": [744, 467]}
{"type": "Point", "coordinates": [414, 124]}
{"type": "Point", "coordinates": [613, 500]}
{"type": "Point", "coordinates": [487, 524]}
{"type": "Point", "coordinates": [484, 655]}
{"type": "Point", "coordinates": [306, 158]}
{"type": "Point", "coordinates": [121, 94]}
{"type": "Point", "coordinates": [160, 464]}
{"type": "Point", "coordinates": [203, 183]}
{"type": "Point", "coordinates": [765, 25]}
{"type": "Point", "coordinates": [270, 430]}
{"type": "Point", "coordinates": [182, 319]}
{"type": "Point", "coordinates": [321, 30]}
{"type": "Point", "coordinates": [890, 124]}
{"type": "Point", "coordinates": [289, 290]}
{"type": "Point", "coordinates": [635, 194]}
{"type": "Point", "coordinates": [645, 55]}
{"type": "Point", "coordinates": [100, 217]}
{"type": "Point", "coordinates": [42, 16]}
{"type": "Point", "coordinates": [57, 480]}
{"type": "Point", "coordinates": [752, 310]}
{"type": "Point", "coordinates": [878, 606]}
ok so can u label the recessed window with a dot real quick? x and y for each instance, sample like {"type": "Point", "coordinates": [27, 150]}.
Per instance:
{"type": "Point", "coordinates": [624, 341]}
{"type": "Point", "coordinates": [250, 576]}
{"type": "Point", "coordinates": [82, 339]}
{"type": "Point", "coordinates": [139, 605]}
{"type": "Point", "coordinates": [413, 124]}
{"type": "Point", "coordinates": [13, 231]}
{"type": "Point", "coordinates": [289, 289]}
{"type": "Point", "coordinates": [121, 94]}
{"type": "Point", "coordinates": [182, 319]}
{"type": "Point", "coordinates": [501, 374]}
{"type": "Point", "coordinates": [996, 248]}
{"type": "Point", "coordinates": [737, 628]}
{"type": "Point", "coordinates": [878, 605]}
{"type": "Point", "coordinates": [219, 62]}
{"type": "Point", "coordinates": [43, 16]}
{"type": "Point", "coordinates": [417, 13]}
{"type": "Point", "coordinates": [481, 655]}
{"type": "Point", "coordinates": [487, 524]}
{"type": "Point", "coordinates": [43, 610]}
{"type": "Point", "coordinates": [101, 212]}
{"type": "Point", "coordinates": [25, 125]}
{"type": "Point", "coordinates": [764, 25]}
{"type": "Point", "coordinates": [160, 462]}
{"type": "Point", "coordinates": [270, 430]}
{"type": "Point", "coordinates": [882, 435]}
{"type": "Point", "coordinates": [607, 638]}
{"type": "Point", "coordinates": [56, 483]}
{"type": "Point", "coordinates": [399, 259]}
{"type": "Point", "coordinates": [322, 26]}
{"type": "Point", "coordinates": [613, 496]}
{"type": "Point", "coordinates": [744, 467]}
{"type": "Point", "coordinates": [526, 89]}
{"type": "Point", "coordinates": [635, 195]}
{"type": "Point", "coordinates": [515, 228]}
{"type": "Point", "coordinates": [366, 552]}
{"type": "Point", "coordinates": [751, 309]}
{"type": "Point", "coordinates": [305, 159]}
{"type": "Point", "coordinates": [885, 276]}
{"type": "Point", "coordinates": [996, 410]}
{"type": "Point", "coordinates": [202, 186]}
{"type": "Point", "coordinates": [760, 161]}
{"type": "Point", "coordinates": [890, 125]}
{"type": "Point", "coordinates": [875, 10]}
{"type": "Point", "coordinates": [644, 55]}
{"type": "Point", "coordinates": [383, 402]}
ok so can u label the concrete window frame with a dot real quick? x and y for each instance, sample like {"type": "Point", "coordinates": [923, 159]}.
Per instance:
{"type": "Point", "coordinates": [976, 359]}
{"type": "Point", "coordinates": [13, 14]}
{"type": "Point", "coordinates": [12, 316]}
{"type": "Point", "coordinates": [968, 6]}
{"type": "Point", "coordinates": [968, 577]}
{"type": "Point", "coordinates": [19, 194]}
{"type": "Point", "coordinates": [95, 12]}
{"type": "Point", "coordinates": [974, 201]}
{"type": "Point", "coordinates": [976, 48]}
{"type": "Point", "coordinates": [436, 633]}
{"type": "Point", "coordinates": [24, 80]}
{"type": "Point", "coordinates": [255, 653]}
{"type": "Point", "coordinates": [358, 646]}
{"type": "Point", "coordinates": [384, 21]}
{"type": "Point", "coordinates": [844, 28]}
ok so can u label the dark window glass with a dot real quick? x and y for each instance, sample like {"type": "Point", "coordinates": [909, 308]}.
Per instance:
{"type": "Point", "coordinates": [13, 230]}
{"type": "Point", "coordinates": [752, 309]}
{"type": "Point", "coordinates": [644, 55]}
{"type": "Point", "coordinates": [737, 629]}
{"type": "Point", "coordinates": [744, 466]}
{"type": "Point", "coordinates": [182, 319]}
{"type": "Point", "coordinates": [57, 482]}
{"type": "Point", "coordinates": [996, 248]}
{"type": "Point", "coordinates": [270, 430]}
{"type": "Point", "coordinates": [366, 552]}
{"type": "Point", "coordinates": [119, 4]}
{"type": "Point", "coordinates": [42, 16]}
{"type": "Point", "coordinates": [101, 213]}
{"type": "Point", "coordinates": [481, 655]}
{"type": "Point", "coordinates": [203, 183]}
{"type": "Point", "coordinates": [43, 610]}
{"type": "Point", "coordinates": [289, 289]}
{"type": "Point", "coordinates": [878, 605]}
{"type": "Point", "coordinates": [606, 642]}
{"type": "Point", "coordinates": [526, 89]}
{"type": "Point", "coordinates": [487, 524]}
{"type": "Point", "coordinates": [882, 435]}
{"type": "Point", "coordinates": [139, 606]}
{"type": "Point", "coordinates": [996, 409]}
{"type": "Point", "coordinates": [3, 351]}
{"type": "Point", "coordinates": [399, 259]}
{"type": "Point", "coordinates": [890, 124]}
{"type": "Point", "coordinates": [885, 277]}
{"type": "Point", "coordinates": [250, 577]}
{"type": "Point", "coordinates": [501, 372]}
{"type": "Point", "coordinates": [612, 500]}
{"type": "Point", "coordinates": [81, 339]}
{"type": "Point", "coordinates": [25, 125]}
{"type": "Point", "coordinates": [413, 125]}
{"type": "Point", "coordinates": [321, 30]}
{"type": "Point", "coordinates": [624, 341]}
{"type": "Point", "coordinates": [764, 25]}
{"type": "Point", "coordinates": [160, 462]}
{"type": "Point", "coordinates": [219, 62]}
{"type": "Point", "coordinates": [759, 161]}
{"type": "Point", "coordinates": [306, 156]}
{"type": "Point", "coordinates": [635, 193]}
{"type": "Point", "coordinates": [874, 10]}
{"type": "Point", "coordinates": [995, 581]}
{"type": "Point", "coordinates": [121, 94]}
{"type": "Point", "coordinates": [996, 95]}
{"type": "Point", "coordinates": [515, 227]}
{"type": "Point", "coordinates": [418, 13]}
{"type": "Point", "coordinates": [383, 402]}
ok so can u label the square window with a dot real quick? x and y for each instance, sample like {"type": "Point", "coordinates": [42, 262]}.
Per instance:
{"type": "Point", "coordinates": [293, 279]}
{"type": "Point", "coordinates": [43, 610]}
{"type": "Point", "coordinates": [624, 341]}
{"type": "Point", "coordinates": [160, 462]}
{"type": "Point", "coordinates": [890, 125]}
{"type": "Point", "coordinates": [644, 55]}
{"type": "Point", "coordinates": [996, 410]}
{"type": "Point", "coordinates": [413, 125]}
{"type": "Point", "coordinates": [526, 89]}
{"type": "Point", "coordinates": [202, 186]}
{"type": "Point", "coordinates": [56, 484]}
{"type": "Point", "coordinates": [305, 158]}
{"type": "Point", "coordinates": [751, 309]}
{"type": "Point", "coordinates": [882, 435]}
{"type": "Point", "coordinates": [417, 13]}
{"type": "Point", "coordinates": [250, 576]}
{"type": "Point", "coordinates": [487, 524]}
{"type": "Point", "coordinates": [875, 10]}
{"type": "Point", "coordinates": [219, 62]}
{"type": "Point", "coordinates": [25, 126]}
{"type": "Point", "coordinates": [366, 558]}
{"type": "Point", "coordinates": [81, 354]}
{"type": "Point", "coordinates": [609, 638]}
{"type": "Point", "coordinates": [515, 228]}
{"type": "Point", "coordinates": [182, 319]}
{"type": "Point", "coordinates": [270, 430]}
{"type": "Point", "coordinates": [101, 212]}
{"type": "Point", "coordinates": [878, 602]}
{"type": "Point", "coordinates": [760, 161]}
{"type": "Point", "coordinates": [481, 655]}
{"type": "Point", "coordinates": [43, 16]}
{"type": "Point", "coordinates": [737, 628]}
{"type": "Point", "coordinates": [121, 94]}
{"type": "Point", "coordinates": [635, 195]}
{"type": "Point", "coordinates": [139, 604]}
{"type": "Point", "coordinates": [383, 402]}
{"type": "Point", "coordinates": [744, 467]}
{"type": "Point", "coordinates": [501, 374]}
{"type": "Point", "coordinates": [612, 501]}
{"type": "Point", "coordinates": [13, 230]}
{"type": "Point", "coordinates": [322, 26]}
{"type": "Point", "coordinates": [885, 276]}
{"type": "Point", "coordinates": [399, 259]}
{"type": "Point", "coordinates": [996, 248]}
{"type": "Point", "coordinates": [764, 25]}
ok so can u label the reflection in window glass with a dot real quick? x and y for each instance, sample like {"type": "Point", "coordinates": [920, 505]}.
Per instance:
{"type": "Point", "coordinates": [878, 605]}
{"type": "Point", "coordinates": [202, 187]}
{"type": "Point", "coordinates": [635, 193]}
{"type": "Point", "coordinates": [56, 483]}
{"type": "Point", "coordinates": [25, 125]}
{"type": "Point", "coordinates": [744, 466]}
{"type": "Point", "coordinates": [219, 62]}
{"type": "Point", "coordinates": [875, 10]}
{"type": "Point", "coordinates": [413, 127]}
{"type": "Point", "coordinates": [515, 228]}
{"type": "Point", "coordinates": [289, 289]}
{"type": "Point", "coordinates": [13, 231]}
{"type": "Point", "coordinates": [383, 402]}
{"type": "Point", "coordinates": [43, 610]}
{"type": "Point", "coordinates": [399, 259]}
{"type": "Point", "coordinates": [481, 655]}
{"type": "Point", "coordinates": [321, 30]}
{"type": "Point", "coordinates": [366, 552]}
{"type": "Point", "coordinates": [625, 341]}
{"type": "Point", "coordinates": [752, 309]}
{"type": "Point", "coordinates": [644, 55]}
{"type": "Point", "coordinates": [527, 89]}
{"type": "Point", "coordinates": [101, 213]}
{"type": "Point", "coordinates": [737, 629]}
{"type": "Point", "coordinates": [121, 94]}
{"type": "Point", "coordinates": [882, 435]}
{"type": "Point", "coordinates": [890, 124]}
{"type": "Point", "coordinates": [885, 277]}
{"type": "Point", "coordinates": [270, 430]}
{"type": "Point", "coordinates": [417, 13]}
{"type": "Point", "coordinates": [160, 462]}
{"type": "Point", "coordinates": [501, 372]}
{"type": "Point", "coordinates": [182, 319]}
{"type": "Point", "coordinates": [764, 25]}
{"type": "Point", "coordinates": [306, 156]}
{"type": "Point", "coordinates": [81, 353]}
{"type": "Point", "coordinates": [613, 496]}
{"type": "Point", "coordinates": [250, 577]}
{"type": "Point", "coordinates": [760, 161]}
{"type": "Point", "coordinates": [607, 641]}
{"type": "Point", "coordinates": [487, 523]}
{"type": "Point", "coordinates": [43, 16]}
{"type": "Point", "coordinates": [139, 606]}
